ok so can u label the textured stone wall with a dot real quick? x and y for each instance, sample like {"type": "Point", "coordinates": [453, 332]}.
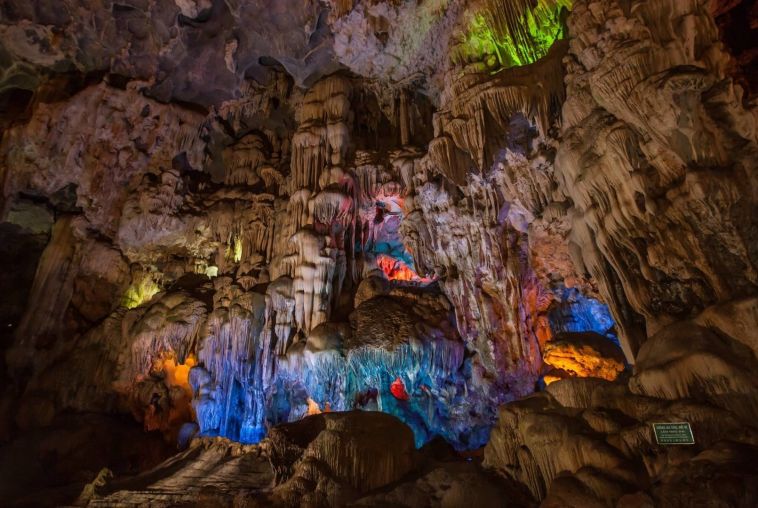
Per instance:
{"type": "Point", "coordinates": [658, 158]}
{"type": "Point", "coordinates": [255, 212]}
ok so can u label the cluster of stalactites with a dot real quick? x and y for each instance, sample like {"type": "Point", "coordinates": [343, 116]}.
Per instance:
{"type": "Point", "coordinates": [479, 109]}
{"type": "Point", "coordinates": [376, 185]}
{"type": "Point", "coordinates": [323, 133]}
{"type": "Point", "coordinates": [502, 34]}
{"type": "Point", "coordinates": [386, 198]}
{"type": "Point", "coordinates": [242, 225]}
{"type": "Point", "coordinates": [528, 27]}
{"type": "Point", "coordinates": [315, 229]}
{"type": "Point", "coordinates": [378, 181]}
{"type": "Point", "coordinates": [244, 160]}
{"type": "Point", "coordinates": [463, 239]}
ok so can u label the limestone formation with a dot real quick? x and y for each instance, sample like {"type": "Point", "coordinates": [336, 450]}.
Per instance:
{"type": "Point", "coordinates": [654, 135]}
{"type": "Point", "coordinates": [371, 252]}
{"type": "Point", "coordinates": [588, 442]}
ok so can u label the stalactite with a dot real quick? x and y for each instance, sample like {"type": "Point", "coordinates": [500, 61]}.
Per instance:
{"type": "Point", "coordinates": [243, 160]}
{"type": "Point", "coordinates": [51, 292]}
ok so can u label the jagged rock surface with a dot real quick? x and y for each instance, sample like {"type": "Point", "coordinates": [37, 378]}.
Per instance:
{"type": "Point", "coordinates": [254, 213]}
{"type": "Point", "coordinates": [337, 459]}
{"type": "Point", "coordinates": [658, 158]}
{"type": "Point", "coordinates": [588, 442]}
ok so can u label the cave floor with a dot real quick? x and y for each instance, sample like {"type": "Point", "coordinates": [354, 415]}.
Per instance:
{"type": "Point", "coordinates": [200, 474]}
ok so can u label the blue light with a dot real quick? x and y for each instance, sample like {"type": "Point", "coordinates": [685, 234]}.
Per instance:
{"type": "Point", "coordinates": [431, 370]}
{"type": "Point", "coordinates": [579, 313]}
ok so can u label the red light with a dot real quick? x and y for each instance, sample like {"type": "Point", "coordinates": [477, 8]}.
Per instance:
{"type": "Point", "coordinates": [397, 388]}
{"type": "Point", "coordinates": [396, 269]}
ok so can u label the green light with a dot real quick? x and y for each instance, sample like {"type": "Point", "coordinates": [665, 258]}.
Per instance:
{"type": "Point", "coordinates": [501, 48]}
{"type": "Point", "coordinates": [545, 25]}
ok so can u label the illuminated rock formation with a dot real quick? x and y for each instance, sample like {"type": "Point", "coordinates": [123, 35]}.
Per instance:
{"type": "Point", "coordinates": [655, 134]}
{"type": "Point", "coordinates": [334, 249]}
{"type": "Point", "coordinates": [585, 442]}
{"type": "Point", "coordinates": [583, 355]}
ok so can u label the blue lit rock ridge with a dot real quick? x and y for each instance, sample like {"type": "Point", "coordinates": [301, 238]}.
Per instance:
{"type": "Point", "coordinates": [238, 394]}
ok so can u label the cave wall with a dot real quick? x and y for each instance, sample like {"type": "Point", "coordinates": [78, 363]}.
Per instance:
{"type": "Point", "coordinates": [281, 276]}
{"type": "Point", "coordinates": [658, 158]}
{"type": "Point", "coordinates": [248, 227]}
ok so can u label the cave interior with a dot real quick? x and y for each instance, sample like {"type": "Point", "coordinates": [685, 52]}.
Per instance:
{"type": "Point", "coordinates": [406, 253]}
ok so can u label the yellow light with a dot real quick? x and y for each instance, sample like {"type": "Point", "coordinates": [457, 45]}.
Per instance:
{"type": "Point", "coordinates": [237, 249]}
{"type": "Point", "coordinates": [140, 292]}
{"type": "Point", "coordinates": [581, 361]}
{"type": "Point", "coordinates": [234, 249]}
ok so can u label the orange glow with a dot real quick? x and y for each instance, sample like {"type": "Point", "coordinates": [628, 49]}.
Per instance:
{"type": "Point", "coordinates": [180, 408]}
{"type": "Point", "coordinates": [178, 375]}
{"type": "Point", "coordinates": [542, 330]}
{"type": "Point", "coordinates": [580, 361]}
{"type": "Point", "coordinates": [396, 269]}
{"type": "Point", "coordinates": [315, 409]}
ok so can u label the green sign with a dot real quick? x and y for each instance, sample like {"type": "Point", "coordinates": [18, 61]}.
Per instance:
{"type": "Point", "coordinates": [679, 433]}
